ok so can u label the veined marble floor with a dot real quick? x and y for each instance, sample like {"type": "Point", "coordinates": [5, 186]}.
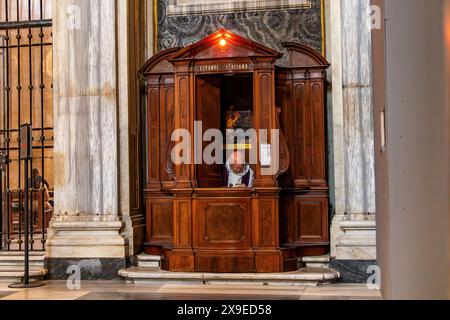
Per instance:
{"type": "Point", "coordinates": [116, 290]}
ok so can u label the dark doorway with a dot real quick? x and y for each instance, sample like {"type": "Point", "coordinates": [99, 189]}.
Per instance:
{"type": "Point", "coordinates": [218, 96]}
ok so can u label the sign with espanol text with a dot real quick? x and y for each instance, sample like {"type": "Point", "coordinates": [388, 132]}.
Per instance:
{"type": "Point", "coordinates": [223, 67]}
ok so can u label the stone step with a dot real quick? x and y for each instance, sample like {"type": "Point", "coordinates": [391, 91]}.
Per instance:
{"type": "Point", "coordinates": [20, 268]}
{"type": "Point", "coordinates": [39, 264]}
{"type": "Point", "coordinates": [12, 266]}
{"type": "Point", "coordinates": [20, 253]}
{"type": "Point", "coordinates": [303, 277]}
{"type": "Point", "coordinates": [20, 258]}
{"type": "Point", "coordinates": [148, 261]}
{"type": "Point", "coordinates": [10, 276]}
{"type": "Point", "coordinates": [8, 259]}
{"type": "Point", "coordinates": [317, 262]}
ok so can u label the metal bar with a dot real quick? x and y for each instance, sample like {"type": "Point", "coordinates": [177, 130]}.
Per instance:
{"type": "Point", "coordinates": [1, 210]}
{"type": "Point", "coordinates": [19, 115]}
{"type": "Point", "coordinates": [8, 220]}
{"type": "Point", "coordinates": [8, 137]}
{"type": "Point", "coordinates": [27, 217]}
{"type": "Point", "coordinates": [18, 130]}
{"type": "Point", "coordinates": [34, 148]}
{"type": "Point", "coordinates": [42, 87]}
{"type": "Point", "coordinates": [3, 236]}
{"type": "Point", "coordinates": [7, 140]}
{"type": "Point", "coordinates": [11, 25]}
{"type": "Point", "coordinates": [27, 45]}
{"type": "Point", "coordinates": [21, 217]}
{"type": "Point", "coordinates": [30, 88]}
{"type": "Point", "coordinates": [8, 100]}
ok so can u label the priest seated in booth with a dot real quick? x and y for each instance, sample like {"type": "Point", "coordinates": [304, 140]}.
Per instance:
{"type": "Point", "coordinates": [238, 173]}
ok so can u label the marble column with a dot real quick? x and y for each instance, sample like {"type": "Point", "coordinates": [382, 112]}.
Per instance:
{"type": "Point", "coordinates": [129, 61]}
{"type": "Point", "coordinates": [353, 230]}
{"type": "Point", "coordinates": [86, 222]}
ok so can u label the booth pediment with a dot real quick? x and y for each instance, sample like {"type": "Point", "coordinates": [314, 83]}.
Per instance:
{"type": "Point", "coordinates": [159, 63]}
{"type": "Point", "coordinates": [224, 44]}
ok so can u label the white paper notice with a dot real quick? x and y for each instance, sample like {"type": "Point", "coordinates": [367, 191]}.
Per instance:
{"type": "Point", "coordinates": [266, 155]}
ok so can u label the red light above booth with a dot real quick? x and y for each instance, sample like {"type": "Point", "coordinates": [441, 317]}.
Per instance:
{"type": "Point", "coordinates": [222, 42]}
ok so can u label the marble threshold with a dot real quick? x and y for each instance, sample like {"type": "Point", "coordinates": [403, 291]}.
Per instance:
{"type": "Point", "coordinates": [303, 277]}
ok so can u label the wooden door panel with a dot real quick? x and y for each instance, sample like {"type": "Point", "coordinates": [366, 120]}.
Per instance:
{"type": "Point", "coordinates": [311, 220]}
{"type": "Point", "coordinates": [299, 145]}
{"type": "Point", "coordinates": [224, 223]}
{"type": "Point", "coordinates": [208, 112]}
{"type": "Point", "coordinates": [318, 170]}
{"type": "Point", "coordinates": [159, 220]}
{"type": "Point", "coordinates": [167, 124]}
{"type": "Point", "coordinates": [153, 178]}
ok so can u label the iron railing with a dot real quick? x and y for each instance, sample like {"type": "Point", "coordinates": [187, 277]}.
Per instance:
{"type": "Point", "coordinates": [26, 97]}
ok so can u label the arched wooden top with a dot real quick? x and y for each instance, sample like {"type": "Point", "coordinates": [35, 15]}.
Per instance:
{"type": "Point", "coordinates": [159, 63]}
{"type": "Point", "coordinates": [236, 46]}
{"type": "Point", "coordinates": [302, 56]}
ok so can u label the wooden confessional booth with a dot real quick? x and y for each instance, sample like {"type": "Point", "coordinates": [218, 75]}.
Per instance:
{"type": "Point", "coordinates": [194, 221]}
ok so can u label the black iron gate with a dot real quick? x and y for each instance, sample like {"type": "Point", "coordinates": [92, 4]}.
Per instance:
{"type": "Point", "coordinates": [26, 97]}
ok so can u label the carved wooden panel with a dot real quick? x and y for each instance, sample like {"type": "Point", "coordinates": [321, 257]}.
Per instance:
{"type": "Point", "coordinates": [285, 156]}
{"type": "Point", "coordinates": [264, 112]}
{"type": "Point", "coordinates": [311, 223]}
{"type": "Point", "coordinates": [301, 90]}
{"type": "Point", "coordinates": [318, 172]}
{"type": "Point", "coordinates": [225, 223]}
{"type": "Point", "coordinates": [153, 108]}
{"type": "Point", "coordinates": [182, 224]}
{"type": "Point", "coordinates": [225, 261]}
{"type": "Point", "coordinates": [267, 106]}
{"type": "Point", "coordinates": [268, 211]}
{"type": "Point", "coordinates": [299, 125]}
{"type": "Point", "coordinates": [284, 103]}
{"type": "Point", "coordinates": [183, 120]}
{"type": "Point", "coordinates": [159, 220]}
{"type": "Point", "coordinates": [222, 223]}
{"type": "Point", "coordinates": [167, 124]}
{"type": "Point", "coordinates": [287, 220]}
{"type": "Point", "coordinates": [269, 261]}
{"type": "Point", "coordinates": [304, 220]}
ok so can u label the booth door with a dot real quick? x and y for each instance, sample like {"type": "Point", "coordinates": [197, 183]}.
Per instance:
{"type": "Point", "coordinates": [209, 113]}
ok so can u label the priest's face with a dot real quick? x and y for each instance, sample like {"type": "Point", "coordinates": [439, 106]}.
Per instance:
{"type": "Point", "coordinates": [237, 162]}
{"type": "Point", "coordinates": [237, 168]}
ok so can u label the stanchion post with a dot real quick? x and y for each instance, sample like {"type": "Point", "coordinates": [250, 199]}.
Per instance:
{"type": "Point", "coordinates": [3, 164]}
{"type": "Point", "coordinates": [25, 154]}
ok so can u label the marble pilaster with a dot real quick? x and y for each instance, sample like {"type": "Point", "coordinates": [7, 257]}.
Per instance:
{"type": "Point", "coordinates": [86, 222]}
{"type": "Point", "coordinates": [129, 61]}
{"type": "Point", "coordinates": [353, 229]}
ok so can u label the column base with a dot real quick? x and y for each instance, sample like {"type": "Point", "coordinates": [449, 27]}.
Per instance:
{"type": "Point", "coordinates": [357, 241]}
{"type": "Point", "coordinates": [88, 269]}
{"type": "Point", "coordinates": [85, 238]}
{"type": "Point", "coordinates": [354, 271]}
{"type": "Point", "coordinates": [354, 238]}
